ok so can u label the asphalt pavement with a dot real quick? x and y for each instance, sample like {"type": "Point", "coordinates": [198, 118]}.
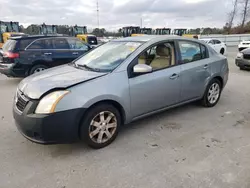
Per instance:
{"type": "Point", "coordinates": [187, 147]}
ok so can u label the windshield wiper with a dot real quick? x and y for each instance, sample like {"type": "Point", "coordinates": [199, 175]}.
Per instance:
{"type": "Point", "coordinates": [88, 68]}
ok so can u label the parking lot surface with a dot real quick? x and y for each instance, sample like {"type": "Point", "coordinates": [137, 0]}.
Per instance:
{"type": "Point", "coordinates": [189, 147]}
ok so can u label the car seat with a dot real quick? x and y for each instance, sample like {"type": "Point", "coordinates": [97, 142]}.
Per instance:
{"type": "Point", "coordinates": [163, 57]}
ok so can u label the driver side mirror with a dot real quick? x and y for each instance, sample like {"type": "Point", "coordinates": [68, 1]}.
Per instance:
{"type": "Point", "coordinates": [142, 68]}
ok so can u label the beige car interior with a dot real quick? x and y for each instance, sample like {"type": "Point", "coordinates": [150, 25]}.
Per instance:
{"type": "Point", "coordinates": [162, 58]}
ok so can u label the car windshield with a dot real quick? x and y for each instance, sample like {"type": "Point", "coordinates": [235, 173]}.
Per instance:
{"type": "Point", "coordinates": [3, 28]}
{"type": "Point", "coordinates": [205, 40]}
{"type": "Point", "coordinates": [107, 57]}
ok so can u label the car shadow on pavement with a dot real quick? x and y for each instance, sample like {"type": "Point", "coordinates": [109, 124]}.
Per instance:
{"type": "Point", "coordinates": [155, 119]}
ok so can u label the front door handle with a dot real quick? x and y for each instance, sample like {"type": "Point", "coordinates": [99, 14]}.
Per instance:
{"type": "Point", "coordinates": [174, 76]}
{"type": "Point", "coordinates": [75, 53]}
{"type": "Point", "coordinates": [205, 66]}
{"type": "Point", "coordinates": [47, 53]}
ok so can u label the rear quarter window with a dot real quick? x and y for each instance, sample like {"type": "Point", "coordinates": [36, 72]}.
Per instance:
{"type": "Point", "coordinates": [39, 44]}
{"type": "Point", "coordinates": [24, 43]}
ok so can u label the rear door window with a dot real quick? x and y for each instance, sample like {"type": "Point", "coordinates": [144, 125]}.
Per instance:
{"type": "Point", "coordinates": [48, 44]}
{"type": "Point", "coordinates": [9, 45]}
{"type": "Point", "coordinates": [60, 43]}
{"type": "Point", "coordinates": [191, 51]}
{"type": "Point", "coordinates": [38, 44]}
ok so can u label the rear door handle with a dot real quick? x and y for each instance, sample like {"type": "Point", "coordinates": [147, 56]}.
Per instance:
{"type": "Point", "coordinates": [205, 66]}
{"type": "Point", "coordinates": [174, 76]}
{"type": "Point", "coordinates": [75, 53]}
{"type": "Point", "coordinates": [47, 53]}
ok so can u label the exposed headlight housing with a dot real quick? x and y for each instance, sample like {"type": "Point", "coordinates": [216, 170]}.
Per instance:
{"type": "Point", "coordinates": [48, 103]}
{"type": "Point", "coordinates": [240, 55]}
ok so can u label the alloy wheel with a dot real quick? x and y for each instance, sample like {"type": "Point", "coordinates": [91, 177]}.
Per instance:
{"type": "Point", "coordinates": [213, 93]}
{"type": "Point", "coordinates": [103, 127]}
{"type": "Point", "coordinates": [39, 70]}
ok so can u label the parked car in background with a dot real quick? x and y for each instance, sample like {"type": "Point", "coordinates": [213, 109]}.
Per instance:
{"type": "Point", "coordinates": [117, 83]}
{"type": "Point", "coordinates": [23, 56]}
{"type": "Point", "coordinates": [244, 45]}
{"type": "Point", "coordinates": [217, 45]}
{"type": "Point", "coordinates": [243, 59]}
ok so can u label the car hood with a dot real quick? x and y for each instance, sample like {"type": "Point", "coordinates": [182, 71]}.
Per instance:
{"type": "Point", "coordinates": [246, 51]}
{"type": "Point", "coordinates": [61, 77]}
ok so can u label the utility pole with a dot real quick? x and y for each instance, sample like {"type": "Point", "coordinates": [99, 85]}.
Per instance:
{"type": "Point", "coordinates": [141, 22]}
{"type": "Point", "coordinates": [97, 12]}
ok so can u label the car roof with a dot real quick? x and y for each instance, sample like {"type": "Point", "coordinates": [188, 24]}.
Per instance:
{"type": "Point", "coordinates": [206, 39]}
{"type": "Point", "coordinates": [37, 37]}
{"type": "Point", "coordinates": [146, 38]}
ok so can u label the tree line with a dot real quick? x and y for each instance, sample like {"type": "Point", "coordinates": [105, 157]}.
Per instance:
{"type": "Point", "coordinates": [241, 10]}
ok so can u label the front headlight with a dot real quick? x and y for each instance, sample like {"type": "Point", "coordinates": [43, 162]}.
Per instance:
{"type": "Point", "coordinates": [240, 55]}
{"type": "Point", "coordinates": [48, 103]}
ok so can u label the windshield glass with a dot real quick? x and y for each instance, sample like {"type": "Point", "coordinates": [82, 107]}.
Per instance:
{"type": "Point", "coordinates": [107, 57]}
{"type": "Point", "coordinates": [80, 30]}
{"type": "Point", "coordinates": [205, 40]}
{"type": "Point", "coordinates": [3, 28]}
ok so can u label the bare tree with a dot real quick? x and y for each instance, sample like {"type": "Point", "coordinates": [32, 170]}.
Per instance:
{"type": "Point", "coordinates": [245, 12]}
{"type": "Point", "coordinates": [232, 14]}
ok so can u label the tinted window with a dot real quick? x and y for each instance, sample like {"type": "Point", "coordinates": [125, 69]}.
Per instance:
{"type": "Point", "coordinates": [217, 41]}
{"type": "Point", "coordinates": [60, 43]}
{"type": "Point", "coordinates": [9, 45]}
{"type": "Point", "coordinates": [191, 51]}
{"type": "Point", "coordinates": [92, 40]}
{"type": "Point", "coordinates": [48, 43]}
{"type": "Point", "coordinates": [24, 43]}
{"type": "Point", "coordinates": [77, 44]}
{"type": "Point", "coordinates": [204, 52]}
{"type": "Point", "coordinates": [37, 45]}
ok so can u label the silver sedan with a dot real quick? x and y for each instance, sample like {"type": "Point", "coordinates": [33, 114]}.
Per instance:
{"type": "Point", "coordinates": [115, 84]}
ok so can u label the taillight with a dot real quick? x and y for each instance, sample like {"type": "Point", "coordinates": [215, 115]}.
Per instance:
{"type": "Point", "coordinates": [11, 55]}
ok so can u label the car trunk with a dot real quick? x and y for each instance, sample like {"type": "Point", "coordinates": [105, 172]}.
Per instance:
{"type": "Point", "coordinates": [8, 52]}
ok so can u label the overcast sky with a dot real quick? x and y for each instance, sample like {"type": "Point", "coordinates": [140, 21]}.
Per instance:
{"type": "Point", "coordinates": [117, 13]}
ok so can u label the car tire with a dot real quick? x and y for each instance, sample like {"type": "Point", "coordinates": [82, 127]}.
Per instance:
{"type": "Point", "coordinates": [242, 68]}
{"type": "Point", "coordinates": [222, 51]}
{"type": "Point", "coordinates": [212, 94]}
{"type": "Point", "coordinates": [37, 69]}
{"type": "Point", "coordinates": [100, 125]}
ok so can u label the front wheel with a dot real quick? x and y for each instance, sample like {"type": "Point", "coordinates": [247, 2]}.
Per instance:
{"type": "Point", "coordinates": [212, 93]}
{"type": "Point", "coordinates": [100, 125]}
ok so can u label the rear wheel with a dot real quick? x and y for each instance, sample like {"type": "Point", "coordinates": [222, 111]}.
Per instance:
{"type": "Point", "coordinates": [212, 93]}
{"type": "Point", "coordinates": [100, 126]}
{"type": "Point", "coordinates": [222, 51]}
{"type": "Point", "coordinates": [37, 69]}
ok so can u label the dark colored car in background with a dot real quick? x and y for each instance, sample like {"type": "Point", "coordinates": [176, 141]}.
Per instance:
{"type": "Point", "coordinates": [243, 59]}
{"type": "Point", "coordinates": [23, 56]}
